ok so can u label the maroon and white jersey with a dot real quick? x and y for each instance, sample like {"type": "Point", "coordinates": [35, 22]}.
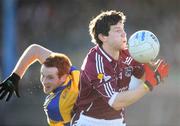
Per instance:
{"type": "Point", "coordinates": [101, 78]}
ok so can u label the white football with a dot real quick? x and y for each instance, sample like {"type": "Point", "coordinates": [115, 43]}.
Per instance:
{"type": "Point", "coordinates": [143, 46]}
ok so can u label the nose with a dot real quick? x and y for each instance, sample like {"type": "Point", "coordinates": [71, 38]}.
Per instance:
{"type": "Point", "coordinates": [123, 34]}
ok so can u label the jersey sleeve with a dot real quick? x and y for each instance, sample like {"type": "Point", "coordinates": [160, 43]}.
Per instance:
{"type": "Point", "coordinates": [138, 70]}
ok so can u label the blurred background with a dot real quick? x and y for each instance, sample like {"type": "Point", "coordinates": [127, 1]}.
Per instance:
{"type": "Point", "coordinates": [62, 26]}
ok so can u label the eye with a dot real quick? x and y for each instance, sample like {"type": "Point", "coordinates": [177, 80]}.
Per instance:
{"type": "Point", "coordinates": [118, 30]}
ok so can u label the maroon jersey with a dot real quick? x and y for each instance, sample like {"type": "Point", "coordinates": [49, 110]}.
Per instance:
{"type": "Point", "coordinates": [101, 77]}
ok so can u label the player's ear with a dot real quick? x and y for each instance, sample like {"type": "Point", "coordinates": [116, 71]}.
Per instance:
{"type": "Point", "coordinates": [102, 37]}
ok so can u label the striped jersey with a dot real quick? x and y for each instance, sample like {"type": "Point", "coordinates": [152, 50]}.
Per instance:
{"type": "Point", "coordinates": [101, 77]}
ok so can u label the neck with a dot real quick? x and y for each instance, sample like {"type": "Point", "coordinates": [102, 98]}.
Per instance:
{"type": "Point", "coordinates": [112, 52]}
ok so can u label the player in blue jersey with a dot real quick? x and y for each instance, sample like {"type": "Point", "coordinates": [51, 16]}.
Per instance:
{"type": "Point", "coordinates": [59, 80]}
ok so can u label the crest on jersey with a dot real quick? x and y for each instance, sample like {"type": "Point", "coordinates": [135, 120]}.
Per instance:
{"type": "Point", "coordinates": [100, 76]}
{"type": "Point", "coordinates": [128, 71]}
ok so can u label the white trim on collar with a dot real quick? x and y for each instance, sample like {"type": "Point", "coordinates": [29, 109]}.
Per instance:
{"type": "Point", "coordinates": [109, 59]}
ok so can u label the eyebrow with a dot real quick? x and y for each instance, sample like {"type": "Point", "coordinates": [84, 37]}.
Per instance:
{"type": "Point", "coordinates": [117, 27]}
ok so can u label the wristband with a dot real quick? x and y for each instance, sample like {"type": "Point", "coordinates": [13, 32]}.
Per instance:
{"type": "Point", "coordinates": [146, 87]}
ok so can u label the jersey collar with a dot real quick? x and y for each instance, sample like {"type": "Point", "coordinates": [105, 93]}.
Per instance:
{"type": "Point", "coordinates": [105, 54]}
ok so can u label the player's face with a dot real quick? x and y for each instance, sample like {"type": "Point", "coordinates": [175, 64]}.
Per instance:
{"type": "Point", "coordinates": [117, 37]}
{"type": "Point", "coordinates": [50, 79]}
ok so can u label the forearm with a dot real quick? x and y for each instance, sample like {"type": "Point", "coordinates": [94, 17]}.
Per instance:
{"type": "Point", "coordinates": [126, 98]}
{"type": "Point", "coordinates": [32, 54]}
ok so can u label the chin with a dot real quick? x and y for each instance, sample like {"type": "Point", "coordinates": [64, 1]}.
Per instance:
{"type": "Point", "coordinates": [124, 47]}
{"type": "Point", "coordinates": [47, 91]}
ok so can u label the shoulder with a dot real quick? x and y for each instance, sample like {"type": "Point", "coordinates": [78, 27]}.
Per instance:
{"type": "Point", "coordinates": [74, 69]}
{"type": "Point", "coordinates": [89, 60]}
{"type": "Point", "coordinates": [90, 64]}
{"type": "Point", "coordinates": [75, 75]}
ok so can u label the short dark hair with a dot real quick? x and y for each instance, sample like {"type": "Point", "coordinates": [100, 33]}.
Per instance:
{"type": "Point", "coordinates": [60, 61]}
{"type": "Point", "coordinates": [102, 22]}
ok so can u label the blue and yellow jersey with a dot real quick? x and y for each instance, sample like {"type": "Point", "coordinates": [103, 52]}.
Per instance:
{"type": "Point", "coordinates": [59, 104]}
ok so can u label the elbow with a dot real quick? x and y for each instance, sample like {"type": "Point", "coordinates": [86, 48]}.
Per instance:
{"type": "Point", "coordinates": [36, 50]}
{"type": "Point", "coordinates": [32, 52]}
{"type": "Point", "coordinates": [115, 103]}
{"type": "Point", "coordinates": [34, 47]}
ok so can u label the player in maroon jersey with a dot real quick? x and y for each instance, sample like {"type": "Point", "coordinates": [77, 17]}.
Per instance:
{"type": "Point", "coordinates": [106, 73]}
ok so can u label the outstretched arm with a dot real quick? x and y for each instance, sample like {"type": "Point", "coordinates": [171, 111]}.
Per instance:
{"type": "Point", "coordinates": [32, 54]}
{"type": "Point", "coordinates": [151, 79]}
